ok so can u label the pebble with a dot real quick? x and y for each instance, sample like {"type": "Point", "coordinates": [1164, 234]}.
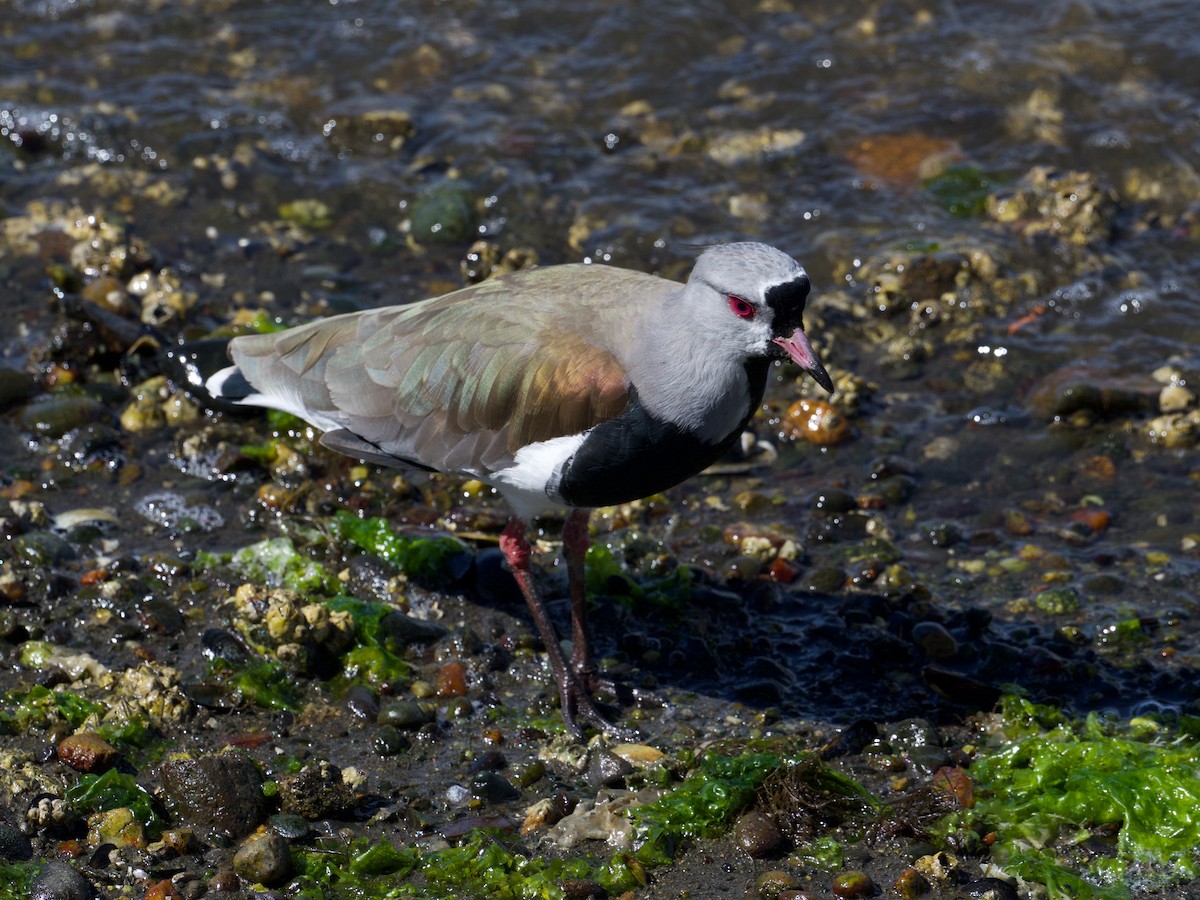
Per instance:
{"type": "Point", "coordinates": [316, 792]}
{"type": "Point", "coordinates": [934, 640]}
{"type": "Point", "coordinates": [289, 826]}
{"type": "Point", "coordinates": [817, 422]}
{"type": "Point", "coordinates": [492, 787]}
{"type": "Point", "coordinates": [55, 416]}
{"type": "Point", "coordinates": [60, 881]}
{"type": "Point", "coordinates": [407, 714]}
{"type": "Point", "coordinates": [14, 845]}
{"type": "Point", "coordinates": [452, 680]}
{"type": "Point", "coordinates": [362, 702]}
{"type": "Point", "coordinates": [911, 884]}
{"type": "Point", "coordinates": [88, 752]}
{"type": "Point", "coordinates": [264, 858]}
{"type": "Point", "coordinates": [15, 386]}
{"type": "Point", "coordinates": [606, 769]}
{"type": "Point", "coordinates": [388, 741]}
{"type": "Point", "coordinates": [853, 883]}
{"type": "Point", "coordinates": [772, 884]}
{"type": "Point", "coordinates": [757, 834]}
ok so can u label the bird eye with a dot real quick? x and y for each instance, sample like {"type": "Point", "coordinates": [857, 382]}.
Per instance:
{"type": "Point", "coordinates": [742, 308]}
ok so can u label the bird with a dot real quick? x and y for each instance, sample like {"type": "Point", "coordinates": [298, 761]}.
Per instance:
{"type": "Point", "coordinates": [564, 387]}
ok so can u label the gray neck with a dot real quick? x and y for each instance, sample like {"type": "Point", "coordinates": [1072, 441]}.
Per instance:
{"type": "Point", "coordinates": [681, 380]}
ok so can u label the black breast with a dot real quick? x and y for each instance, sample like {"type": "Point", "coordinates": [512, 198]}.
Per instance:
{"type": "Point", "coordinates": [634, 454]}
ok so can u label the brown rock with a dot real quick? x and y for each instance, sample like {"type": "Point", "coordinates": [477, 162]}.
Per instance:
{"type": "Point", "coordinates": [88, 752]}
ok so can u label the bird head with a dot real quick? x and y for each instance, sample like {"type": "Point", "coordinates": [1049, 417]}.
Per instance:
{"type": "Point", "coordinates": [750, 299]}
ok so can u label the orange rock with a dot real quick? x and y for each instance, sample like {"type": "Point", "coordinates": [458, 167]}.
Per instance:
{"type": "Point", "coordinates": [452, 680]}
{"type": "Point", "coordinates": [784, 570]}
{"type": "Point", "coordinates": [1094, 518]}
{"type": "Point", "coordinates": [817, 422]}
{"type": "Point", "coordinates": [162, 890]}
{"type": "Point", "coordinates": [903, 159]}
{"type": "Point", "coordinates": [93, 576]}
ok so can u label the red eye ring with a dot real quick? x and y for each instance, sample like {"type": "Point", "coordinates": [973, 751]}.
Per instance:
{"type": "Point", "coordinates": [741, 307]}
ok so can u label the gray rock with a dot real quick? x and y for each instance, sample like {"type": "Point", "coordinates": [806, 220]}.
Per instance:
{"type": "Point", "coordinates": [60, 881]}
{"type": "Point", "coordinates": [264, 859]}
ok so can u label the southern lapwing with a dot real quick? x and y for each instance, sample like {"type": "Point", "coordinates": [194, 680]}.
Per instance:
{"type": "Point", "coordinates": [565, 388]}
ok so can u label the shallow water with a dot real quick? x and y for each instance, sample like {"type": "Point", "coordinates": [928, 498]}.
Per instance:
{"type": "Point", "coordinates": [619, 133]}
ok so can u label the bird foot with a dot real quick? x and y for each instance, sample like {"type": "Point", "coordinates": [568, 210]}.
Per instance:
{"type": "Point", "coordinates": [579, 705]}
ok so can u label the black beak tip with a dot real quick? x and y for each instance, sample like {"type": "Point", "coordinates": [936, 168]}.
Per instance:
{"type": "Point", "coordinates": [821, 377]}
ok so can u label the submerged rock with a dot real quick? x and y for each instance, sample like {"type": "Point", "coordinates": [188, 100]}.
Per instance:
{"type": "Point", "coordinates": [220, 794]}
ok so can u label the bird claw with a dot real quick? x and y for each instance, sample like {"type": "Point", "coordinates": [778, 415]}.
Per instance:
{"type": "Point", "coordinates": [578, 704]}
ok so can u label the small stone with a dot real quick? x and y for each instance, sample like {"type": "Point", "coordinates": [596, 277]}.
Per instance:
{"type": "Point", "coordinates": [492, 787]}
{"type": "Point", "coordinates": [88, 752]}
{"type": "Point", "coordinates": [853, 883]}
{"type": "Point", "coordinates": [452, 680]}
{"type": "Point", "coordinates": [757, 834]}
{"type": "Point", "coordinates": [606, 769]}
{"type": "Point", "coordinates": [817, 422]}
{"type": "Point", "coordinates": [911, 884]}
{"type": "Point", "coordinates": [264, 858]}
{"type": "Point", "coordinates": [316, 792]}
{"type": "Point", "coordinates": [60, 881]}
{"type": "Point", "coordinates": [119, 827]}
{"type": "Point", "coordinates": [14, 845]}
{"type": "Point", "coordinates": [55, 416]}
{"type": "Point", "coordinates": [289, 826]}
{"type": "Point", "coordinates": [1175, 398]}
{"type": "Point", "coordinates": [407, 714]}
{"type": "Point", "coordinates": [934, 640]}
{"type": "Point", "coordinates": [772, 884]}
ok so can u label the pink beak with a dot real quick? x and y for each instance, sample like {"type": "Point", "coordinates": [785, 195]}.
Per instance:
{"type": "Point", "coordinates": [801, 353]}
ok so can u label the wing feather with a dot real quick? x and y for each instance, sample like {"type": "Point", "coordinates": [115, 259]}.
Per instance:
{"type": "Point", "coordinates": [449, 382]}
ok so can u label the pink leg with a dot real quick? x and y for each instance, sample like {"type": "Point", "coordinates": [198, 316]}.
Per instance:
{"type": "Point", "coordinates": [573, 696]}
{"type": "Point", "coordinates": [575, 544]}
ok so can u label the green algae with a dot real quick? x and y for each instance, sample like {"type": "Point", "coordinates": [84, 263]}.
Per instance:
{"type": "Point", "coordinates": [372, 660]}
{"type": "Point", "coordinates": [114, 790]}
{"type": "Point", "coordinates": [423, 559]}
{"type": "Point", "coordinates": [16, 879]}
{"type": "Point", "coordinates": [604, 576]}
{"type": "Point", "coordinates": [41, 707]}
{"type": "Point", "coordinates": [1057, 780]}
{"type": "Point", "coordinates": [962, 190]}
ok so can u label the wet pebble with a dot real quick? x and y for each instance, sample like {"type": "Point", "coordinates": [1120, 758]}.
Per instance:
{"type": "Point", "coordinates": [911, 884]}
{"type": "Point", "coordinates": [407, 714]}
{"type": "Point", "coordinates": [452, 680]}
{"type": "Point", "coordinates": [606, 769]}
{"type": "Point", "coordinates": [264, 858]}
{"type": "Point", "coordinates": [289, 826]}
{"type": "Point", "coordinates": [44, 549]}
{"type": "Point", "coordinates": [934, 640]}
{"type": "Point", "coordinates": [772, 884]}
{"type": "Point", "coordinates": [362, 702]}
{"type": "Point", "coordinates": [60, 881]}
{"type": "Point", "coordinates": [398, 630]}
{"type": "Point", "coordinates": [316, 792]}
{"type": "Point", "coordinates": [757, 834]}
{"type": "Point", "coordinates": [853, 883]}
{"type": "Point", "coordinates": [817, 422]}
{"type": "Point", "coordinates": [15, 386]}
{"type": "Point", "coordinates": [88, 752]}
{"type": "Point", "coordinates": [221, 794]}
{"type": "Point", "coordinates": [989, 889]}
{"type": "Point", "coordinates": [14, 845]}
{"type": "Point", "coordinates": [492, 787]}
{"type": "Point", "coordinates": [442, 215]}
{"type": "Point", "coordinates": [54, 416]}
{"type": "Point", "coordinates": [388, 741]}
